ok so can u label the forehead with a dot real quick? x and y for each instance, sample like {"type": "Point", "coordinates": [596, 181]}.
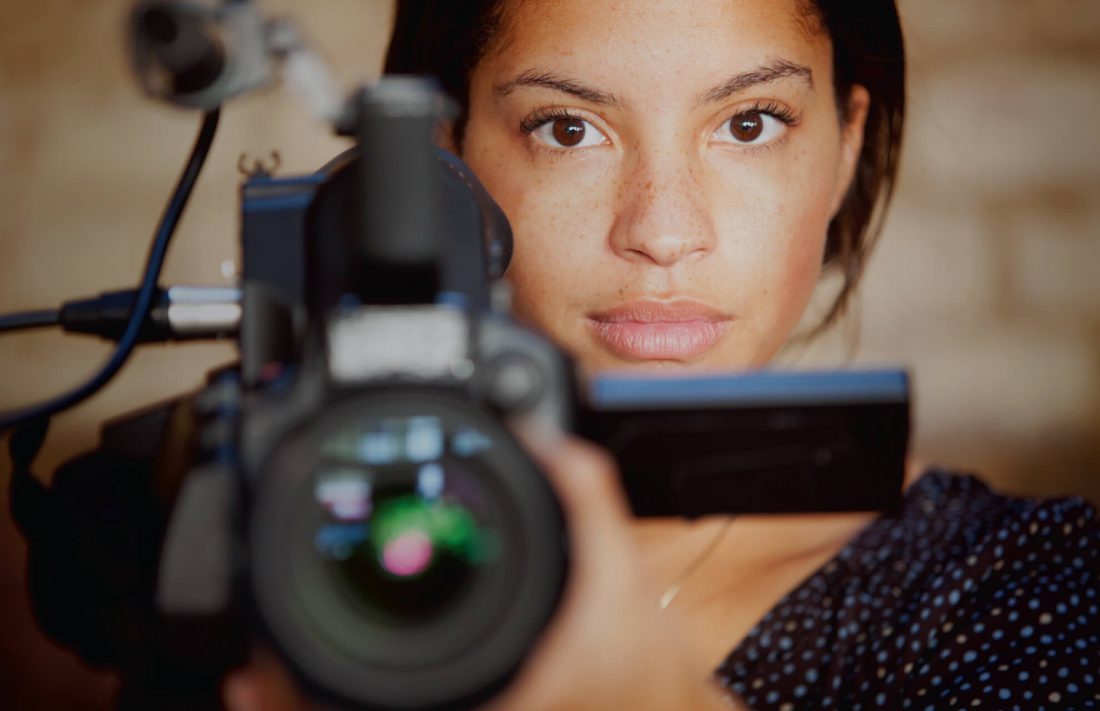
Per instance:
{"type": "Point", "coordinates": [683, 43]}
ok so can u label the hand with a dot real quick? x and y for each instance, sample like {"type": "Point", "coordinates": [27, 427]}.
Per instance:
{"type": "Point", "coordinates": [609, 646]}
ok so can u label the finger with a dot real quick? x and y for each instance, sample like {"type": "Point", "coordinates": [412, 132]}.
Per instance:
{"type": "Point", "coordinates": [596, 515]}
{"type": "Point", "coordinates": [584, 476]}
{"type": "Point", "coordinates": [263, 685]}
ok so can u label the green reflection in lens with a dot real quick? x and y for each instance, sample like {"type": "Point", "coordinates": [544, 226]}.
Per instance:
{"type": "Point", "coordinates": [448, 528]}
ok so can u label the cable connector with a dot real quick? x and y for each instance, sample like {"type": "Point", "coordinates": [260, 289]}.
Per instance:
{"type": "Point", "coordinates": [178, 313]}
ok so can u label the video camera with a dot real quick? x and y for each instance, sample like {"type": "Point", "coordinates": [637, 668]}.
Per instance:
{"type": "Point", "coordinates": [350, 494]}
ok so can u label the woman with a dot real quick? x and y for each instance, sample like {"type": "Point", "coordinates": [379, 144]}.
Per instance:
{"type": "Point", "coordinates": [678, 175]}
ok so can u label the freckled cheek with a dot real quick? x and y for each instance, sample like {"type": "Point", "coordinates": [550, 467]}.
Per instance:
{"type": "Point", "coordinates": [557, 241]}
{"type": "Point", "coordinates": [773, 247]}
{"type": "Point", "coordinates": [544, 209]}
{"type": "Point", "coordinates": [797, 270]}
{"type": "Point", "coordinates": [801, 239]}
{"type": "Point", "coordinates": [802, 268]}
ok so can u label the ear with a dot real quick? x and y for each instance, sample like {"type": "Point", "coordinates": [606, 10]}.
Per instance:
{"type": "Point", "coordinates": [851, 142]}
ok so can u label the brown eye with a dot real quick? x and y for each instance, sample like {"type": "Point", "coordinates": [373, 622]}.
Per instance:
{"type": "Point", "coordinates": [568, 132]}
{"type": "Point", "coordinates": [754, 127]}
{"type": "Point", "coordinates": [561, 132]}
{"type": "Point", "coordinates": [747, 127]}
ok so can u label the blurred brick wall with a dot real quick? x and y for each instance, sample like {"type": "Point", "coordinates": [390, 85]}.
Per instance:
{"type": "Point", "coordinates": [987, 279]}
{"type": "Point", "coordinates": [986, 284]}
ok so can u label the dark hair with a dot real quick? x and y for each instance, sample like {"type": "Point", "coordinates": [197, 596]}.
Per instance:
{"type": "Point", "coordinates": [448, 38]}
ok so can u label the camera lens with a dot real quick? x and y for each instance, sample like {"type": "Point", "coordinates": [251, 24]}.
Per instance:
{"type": "Point", "coordinates": [405, 552]}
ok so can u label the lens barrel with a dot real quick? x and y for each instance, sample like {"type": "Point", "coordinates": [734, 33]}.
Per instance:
{"type": "Point", "coordinates": [405, 551]}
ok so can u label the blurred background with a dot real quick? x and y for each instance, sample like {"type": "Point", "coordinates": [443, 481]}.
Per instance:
{"type": "Point", "coordinates": [986, 283]}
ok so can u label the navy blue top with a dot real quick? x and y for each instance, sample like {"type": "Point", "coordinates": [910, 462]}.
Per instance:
{"type": "Point", "coordinates": [968, 599]}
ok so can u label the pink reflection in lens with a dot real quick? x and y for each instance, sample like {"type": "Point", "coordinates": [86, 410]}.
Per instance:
{"type": "Point", "coordinates": [407, 554]}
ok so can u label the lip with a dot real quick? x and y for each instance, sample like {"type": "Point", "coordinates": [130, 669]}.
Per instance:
{"type": "Point", "coordinates": [659, 330]}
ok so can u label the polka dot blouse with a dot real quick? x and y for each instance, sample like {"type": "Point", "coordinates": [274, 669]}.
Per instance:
{"type": "Point", "coordinates": [967, 599]}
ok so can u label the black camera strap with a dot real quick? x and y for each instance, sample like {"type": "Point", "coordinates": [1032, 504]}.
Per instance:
{"type": "Point", "coordinates": [91, 561]}
{"type": "Point", "coordinates": [29, 501]}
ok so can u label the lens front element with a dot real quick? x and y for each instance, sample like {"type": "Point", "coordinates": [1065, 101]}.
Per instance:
{"type": "Point", "coordinates": [408, 524]}
{"type": "Point", "coordinates": [405, 551]}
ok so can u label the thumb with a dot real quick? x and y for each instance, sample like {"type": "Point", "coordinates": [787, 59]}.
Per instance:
{"type": "Point", "coordinates": [263, 685]}
{"type": "Point", "coordinates": [585, 478]}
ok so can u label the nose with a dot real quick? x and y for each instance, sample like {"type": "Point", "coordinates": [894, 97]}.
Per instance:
{"type": "Point", "coordinates": [662, 216]}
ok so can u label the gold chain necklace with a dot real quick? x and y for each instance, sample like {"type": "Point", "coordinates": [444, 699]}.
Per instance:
{"type": "Point", "coordinates": [673, 590]}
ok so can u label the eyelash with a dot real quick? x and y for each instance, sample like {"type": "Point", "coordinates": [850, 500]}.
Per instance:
{"type": "Point", "coordinates": [772, 109]}
{"type": "Point", "coordinates": [775, 110]}
{"type": "Point", "coordinates": [544, 116]}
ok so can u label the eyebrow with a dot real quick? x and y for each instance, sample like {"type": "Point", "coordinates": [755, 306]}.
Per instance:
{"type": "Point", "coordinates": [765, 74]}
{"type": "Point", "coordinates": [550, 80]}
{"type": "Point", "coordinates": [779, 69]}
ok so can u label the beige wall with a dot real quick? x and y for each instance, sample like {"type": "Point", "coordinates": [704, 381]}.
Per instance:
{"type": "Point", "coordinates": [988, 278]}
{"type": "Point", "coordinates": [987, 283]}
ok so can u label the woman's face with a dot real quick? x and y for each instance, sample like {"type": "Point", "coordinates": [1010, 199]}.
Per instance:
{"type": "Point", "coordinates": [669, 168]}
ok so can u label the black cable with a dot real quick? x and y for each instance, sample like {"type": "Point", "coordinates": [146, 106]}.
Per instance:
{"type": "Point", "coordinates": [29, 319]}
{"type": "Point", "coordinates": [146, 291]}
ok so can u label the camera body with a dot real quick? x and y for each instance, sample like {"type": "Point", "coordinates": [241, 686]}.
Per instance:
{"type": "Point", "coordinates": [399, 547]}
{"type": "Point", "coordinates": [350, 493]}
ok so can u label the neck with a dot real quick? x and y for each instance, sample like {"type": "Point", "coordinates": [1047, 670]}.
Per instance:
{"type": "Point", "coordinates": [757, 561]}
